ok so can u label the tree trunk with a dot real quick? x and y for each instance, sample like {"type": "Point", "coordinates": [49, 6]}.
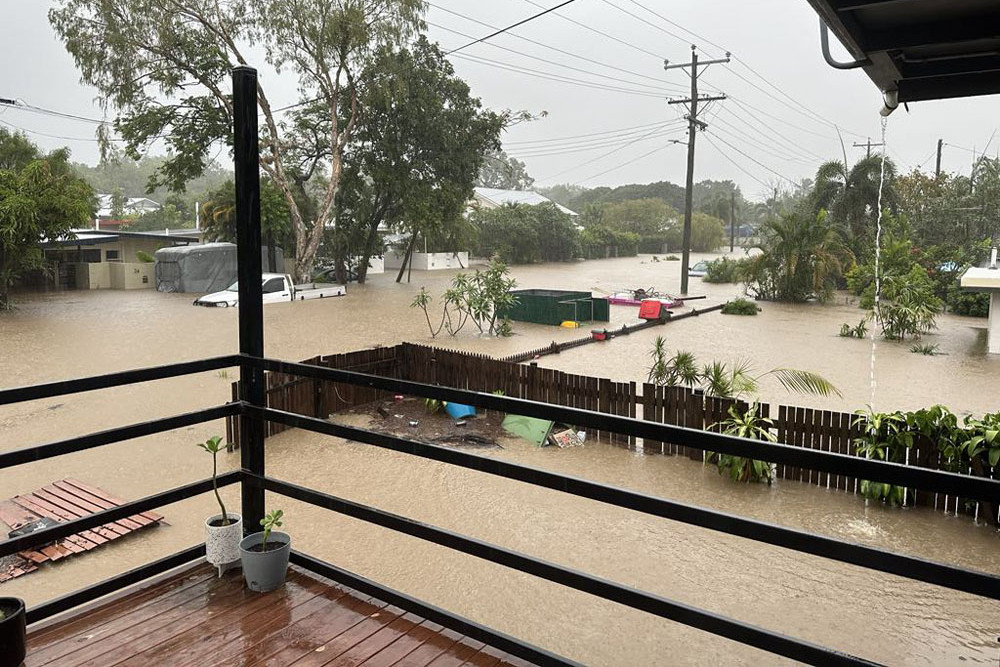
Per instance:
{"type": "Point", "coordinates": [272, 258]}
{"type": "Point", "coordinates": [406, 258]}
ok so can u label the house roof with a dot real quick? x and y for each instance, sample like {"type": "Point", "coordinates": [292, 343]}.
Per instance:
{"type": "Point", "coordinates": [922, 49]}
{"type": "Point", "coordinates": [82, 237]}
{"type": "Point", "coordinates": [529, 197]}
{"type": "Point", "coordinates": [131, 204]}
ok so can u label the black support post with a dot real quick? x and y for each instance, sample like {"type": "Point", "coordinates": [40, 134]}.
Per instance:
{"type": "Point", "coordinates": [251, 308]}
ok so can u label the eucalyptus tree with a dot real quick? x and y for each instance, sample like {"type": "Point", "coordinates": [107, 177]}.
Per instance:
{"type": "Point", "coordinates": [161, 67]}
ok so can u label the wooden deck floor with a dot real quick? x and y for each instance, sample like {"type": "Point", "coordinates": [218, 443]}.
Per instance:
{"type": "Point", "coordinates": [194, 618]}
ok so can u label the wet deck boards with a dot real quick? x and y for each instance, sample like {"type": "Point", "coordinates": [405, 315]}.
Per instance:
{"type": "Point", "coordinates": [65, 500]}
{"type": "Point", "coordinates": [193, 618]}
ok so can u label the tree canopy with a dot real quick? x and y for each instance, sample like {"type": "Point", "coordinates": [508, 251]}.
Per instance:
{"type": "Point", "coordinates": [164, 67]}
{"type": "Point", "coordinates": [417, 148]}
{"type": "Point", "coordinates": [40, 198]}
{"type": "Point", "coordinates": [503, 172]}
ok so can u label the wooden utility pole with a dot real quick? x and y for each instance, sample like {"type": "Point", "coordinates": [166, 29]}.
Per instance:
{"type": "Point", "coordinates": [693, 125]}
{"type": "Point", "coordinates": [937, 169]}
{"type": "Point", "coordinates": [867, 146]}
{"type": "Point", "coordinates": [732, 220]}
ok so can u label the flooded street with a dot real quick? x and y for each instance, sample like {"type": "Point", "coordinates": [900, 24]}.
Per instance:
{"type": "Point", "coordinates": [880, 617]}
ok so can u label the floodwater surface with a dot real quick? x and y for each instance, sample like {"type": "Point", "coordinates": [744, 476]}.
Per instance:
{"type": "Point", "coordinates": [877, 616]}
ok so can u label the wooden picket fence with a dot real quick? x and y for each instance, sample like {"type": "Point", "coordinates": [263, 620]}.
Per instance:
{"type": "Point", "coordinates": [822, 430]}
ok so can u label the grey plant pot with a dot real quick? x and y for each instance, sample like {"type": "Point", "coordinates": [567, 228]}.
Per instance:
{"type": "Point", "coordinates": [265, 571]}
{"type": "Point", "coordinates": [12, 633]}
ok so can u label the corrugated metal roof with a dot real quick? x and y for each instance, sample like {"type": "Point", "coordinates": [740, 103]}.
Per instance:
{"type": "Point", "coordinates": [529, 197]}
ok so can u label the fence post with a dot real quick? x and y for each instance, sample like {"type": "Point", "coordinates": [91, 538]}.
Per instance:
{"type": "Point", "coordinates": [251, 315]}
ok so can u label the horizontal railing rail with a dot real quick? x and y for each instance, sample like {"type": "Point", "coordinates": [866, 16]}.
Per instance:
{"type": "Point", "coordinates": [123, 511]}
{"type": "Point", "coordinates": [977, 583]}
{"type": "Point", "coordinates": [717, 624]}
{"type": "Point", "coordinates": [964, 486]}
{"type": "Point", "coordinates": [911, 567]}
{"type": "Point", "coordinates": [80, 385]}
{"type": "Point", "coordinates": [120, 434]}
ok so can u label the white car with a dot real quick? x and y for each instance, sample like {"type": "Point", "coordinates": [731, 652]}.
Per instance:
{"type": "Point", "coordinates": [698, 270]}
{"type": "Point", "coordinates": [276, 287]}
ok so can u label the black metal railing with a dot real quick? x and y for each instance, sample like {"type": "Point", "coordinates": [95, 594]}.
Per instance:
{"type": "Point", "coordinates": [255, 482]}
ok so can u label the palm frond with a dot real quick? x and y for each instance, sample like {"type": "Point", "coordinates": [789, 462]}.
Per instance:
{"type": "Point", "coordinates": [804, 382]}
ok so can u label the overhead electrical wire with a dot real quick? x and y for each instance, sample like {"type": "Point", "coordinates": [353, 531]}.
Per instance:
{"type": "Point", "coordinates": [602, 156]}
{"type": "Point", "coordinates": [510, 27]}
{"type": "Point", "coordinates": [660, 87]}
{"type": "Point", "coordinates": [586, 135]}
{"type": "Point", "coordinates": [625, 164]}
{"type": "Point", "coordinates": [659, 80]}
{"type": "Point", "coordinates": [781, 142]}
{"type": "Point", "coordinates": [721, 123]}
{"type": "Point", "coordinates": [665, 130]}
{"type": "Point", "coordinates": [595, 140]}
{"type": "Point", "coordinates": [557, 77]}
{"type": "Point", "coordinates": [618, 40]}
{"type": "Point", "coordinates": [756, 161]}
{"type": "Point", "coordinates": [50, 136]}
{"type": "Point", "coordinates": [734, 162]}
{"type": "Point", "coordinates": [801, 108]}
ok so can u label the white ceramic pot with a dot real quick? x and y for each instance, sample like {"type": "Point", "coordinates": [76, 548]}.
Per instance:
{"type": "Point", "coordinates": [222, 543]}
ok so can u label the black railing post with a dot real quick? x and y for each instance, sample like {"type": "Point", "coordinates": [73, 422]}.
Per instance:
{"type": "Point", "coordinates": [251, 308]}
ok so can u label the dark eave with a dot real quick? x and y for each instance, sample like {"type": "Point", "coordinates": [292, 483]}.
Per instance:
{"type": "Point", "coordinates": [923, 49]}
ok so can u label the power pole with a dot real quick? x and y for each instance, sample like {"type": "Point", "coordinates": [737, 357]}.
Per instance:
{"type": "Point", "coordinates": [693, 125]}
{"type": "Point", "coordinates": [937, 169]}
{"type": "Point", "coordinates": [732, 220]}
{"type": "Point", "coordinates": [867, 146]}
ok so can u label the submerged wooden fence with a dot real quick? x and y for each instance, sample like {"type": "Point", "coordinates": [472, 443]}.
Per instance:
{"type": "Point", "coordinates": [823, 430]}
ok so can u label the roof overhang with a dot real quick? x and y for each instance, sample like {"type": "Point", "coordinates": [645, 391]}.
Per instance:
{"type": "Point", "coordinates": [921, 49]}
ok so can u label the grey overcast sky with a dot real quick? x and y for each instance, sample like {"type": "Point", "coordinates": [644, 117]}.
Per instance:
{"type": "Point", "coordinates": [607, 120]}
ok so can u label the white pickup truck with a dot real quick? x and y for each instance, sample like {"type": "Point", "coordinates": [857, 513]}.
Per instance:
{"type": "Point", "coordinates": [276, 287]}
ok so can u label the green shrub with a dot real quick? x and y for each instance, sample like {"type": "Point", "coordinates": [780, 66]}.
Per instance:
{"type": "Point", "coordinates": [971, 304]}
{"type": "Point", "coordinates": [144, 257]}
{"type": "Point", "coordinates": [925, 349]}
{"type": "Point", "coordinates": [724, 270]}
{"type": "Point", "coordinates": [860, 331]}
{"type": "Point", "coordinates": [740, 307]}
{"type": "Point", "coordinates": [671, 258]}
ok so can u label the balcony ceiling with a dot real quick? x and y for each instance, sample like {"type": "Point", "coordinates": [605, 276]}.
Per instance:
{"type": "Point", "coordinates": [924, 49]}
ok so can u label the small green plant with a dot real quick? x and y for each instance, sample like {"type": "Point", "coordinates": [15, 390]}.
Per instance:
{"type": "Point", "coordinates": [270, 521]}
{"type": "Point", "coordinates": [860, 331]}
{"type": "Point", "coordinates": [753, 425]}
{"type": "Point", "coordinates": [213, 446]}
{"type": "Point", "coordinates": [925, 349]}
{"type": "Point", "coordinates": [724, 270]}
{"type": "Point", "coordinates": [144, 257]}
{"type": "Point", "coordinates": [885, 437]}
{"type": "Point", "coordinates": [432, 405]}
{"type": "Point", "coordinates": [671, 258]}
{"type": "Point", "coordinates": [740, 307]}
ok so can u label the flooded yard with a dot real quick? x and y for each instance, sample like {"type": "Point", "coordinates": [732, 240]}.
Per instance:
{"type": "Point", "coordinates": [881, 617]}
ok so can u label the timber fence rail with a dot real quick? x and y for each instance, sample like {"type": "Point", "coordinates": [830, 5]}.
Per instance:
{"type": "Point", "coordinates": [822, 430]}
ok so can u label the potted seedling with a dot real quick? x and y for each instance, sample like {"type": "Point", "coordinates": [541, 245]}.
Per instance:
{"type": "Point", "coordinates": [13, 637]}
{"type": "Point", "coordinates": [222, 531]}
{"type": "Point", "coordinates": [265, 555]}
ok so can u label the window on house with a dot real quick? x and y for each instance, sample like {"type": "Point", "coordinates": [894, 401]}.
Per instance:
{"type": "Point", "coordinates": [112, 256]}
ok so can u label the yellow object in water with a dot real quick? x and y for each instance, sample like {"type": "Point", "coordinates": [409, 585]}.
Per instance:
{"type": "Point", "coordinates": [569, 324]}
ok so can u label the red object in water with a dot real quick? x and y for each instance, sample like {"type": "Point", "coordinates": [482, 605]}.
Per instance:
{"type": "Point", "coordinates": [599, 334]}
{"type": "Point", "coordinates": [651, 309]}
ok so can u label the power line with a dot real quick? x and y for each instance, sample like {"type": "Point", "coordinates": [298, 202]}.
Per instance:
{"type": "Point", "coordinates": [510, 27]}
{"type": "Point", "coordinates": [583, 136]}
{"type": "Point", "coordinates": [664, 130]}
{"type": "Point", "coordinates": [758, 144]}
{"type": "Point", "coordinates": [658, 88]}
{"type": "Point", "coordinates": [600, 157]}
{"type": "Point", "coordinates": [548, 46]}
{"type": "Point", "coordinates": [757, 162]}
{"type": "Point", "coordinates": [726, 155]}
{"type": "Point", "coordinates": [746, 105]}
{"type": "Point", "coordinates": [589, 144]}
{"type": "Point", "coordinates": [594, 30]}
{"type": "Point", "coordinates": [50, 136]}
{"type": "Point", "coordinates": [642, 20]}
{"type": "Point", "coordinates": [762, 130]}
{"type": "Point", "coordinates": [557, 77]}
{"type": "Point", "coordinates": [625, 164]}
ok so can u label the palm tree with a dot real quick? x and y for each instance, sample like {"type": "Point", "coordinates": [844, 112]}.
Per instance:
{"type": "Point", "coordinates": [801, 258]}
{"type": "Point", "coordinates": [851, 198]}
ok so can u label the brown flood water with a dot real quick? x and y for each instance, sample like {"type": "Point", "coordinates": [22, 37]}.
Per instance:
{"type": "Point", "coordinates": [880, 617]}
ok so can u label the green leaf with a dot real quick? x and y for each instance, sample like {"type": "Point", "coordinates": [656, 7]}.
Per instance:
{"type": "Point", "coordinates": [994, 456]}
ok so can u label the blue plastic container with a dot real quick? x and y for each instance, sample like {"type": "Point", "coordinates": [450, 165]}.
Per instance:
{"type": "Point", "coordinates": [459, 411]}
